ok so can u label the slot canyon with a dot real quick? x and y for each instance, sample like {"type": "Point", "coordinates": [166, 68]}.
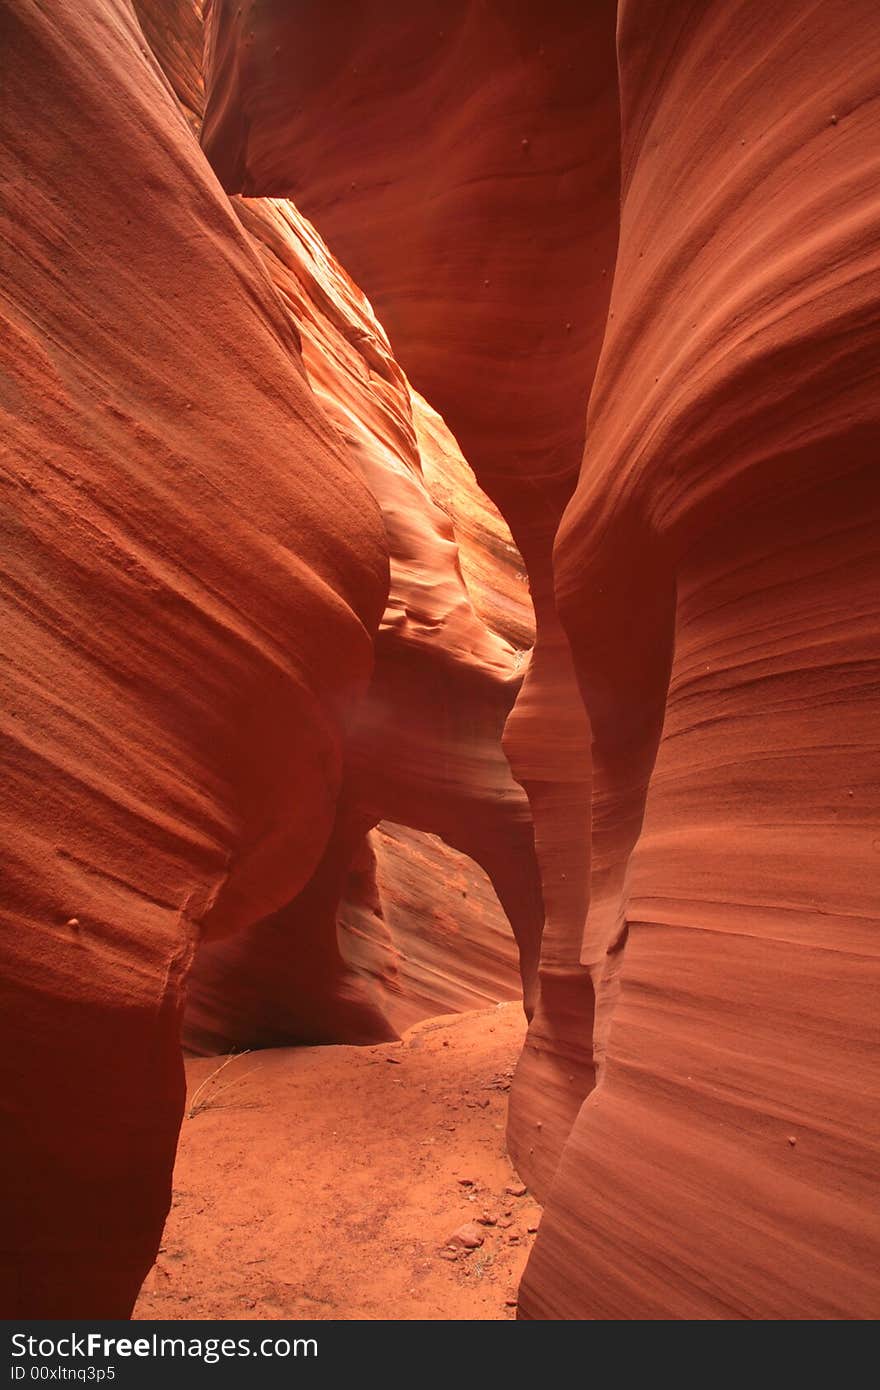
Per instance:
{"type": "Point", "coordinates": [441, 630]}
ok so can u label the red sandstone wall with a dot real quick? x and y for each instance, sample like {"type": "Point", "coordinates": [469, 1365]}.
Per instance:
{"type": "Point", "coordinates": [718, 573]}
{"type": "Point", "coordinates": [192, 576]}
{"type": "Point", "coordinates": [424, 921]}
{"type": "Point", "coordinates": [706, 973]}
{"type": "Point", "coordinates": [461, 160]}
{"type": "Point", "coordinates": [425, 748]}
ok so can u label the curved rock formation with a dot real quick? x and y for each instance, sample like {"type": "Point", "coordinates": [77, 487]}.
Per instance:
{"type": "Point", "coordinates": [425, 750]}
{"type": "Point", "coordinates": [424, 921]}
{"type": "Point", "coordinates": [227, 728]}
{"type": "Point", "coordinates": [477, 206]}
{"type": "Point", "coordinates": [192, 574]}
{"type": "Point", "coordinates": [491, 566]}
{"type": "Point", "coordinates": [717, 572]}
{"type": "Point", "coordinates": [719, 576]}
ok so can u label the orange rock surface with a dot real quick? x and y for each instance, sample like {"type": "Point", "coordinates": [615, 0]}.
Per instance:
{"type": "Point", "coordinates": [425, 748]}
{"type": "Point", "coordinates": [423, 920]}
{"type": "Point", "coordinates": [310, 740]}
{"type": "Point", "coordinates": [193, 572]}
{"type": "Point", "coordinates": [718, 573]}
{"type": "Point", "coordinates": [477, 207]}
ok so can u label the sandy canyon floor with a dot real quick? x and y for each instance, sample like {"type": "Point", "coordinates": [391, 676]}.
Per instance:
{"type": "Point", "coordinates": [325, 1182]}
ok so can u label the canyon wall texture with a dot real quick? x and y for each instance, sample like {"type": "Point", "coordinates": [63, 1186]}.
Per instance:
{"type": "Point", "coordinates": [205, 421]}
{"type": "Point", "coordinates": [290, 755]}
{"type": "Point", "coordinates": [424, 922]}
{"type": "Point", "coordinates": [718, 573]}
{"type": "Point", "coordinates": [425, 747]}
{"type": "Point", "coordinates": [461, 160]}
{"type": "Point", "coordinates": [193, 573]}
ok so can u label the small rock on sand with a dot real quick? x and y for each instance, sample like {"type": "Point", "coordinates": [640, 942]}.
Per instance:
{"type": "Point", "coordinates": [467, 1237]}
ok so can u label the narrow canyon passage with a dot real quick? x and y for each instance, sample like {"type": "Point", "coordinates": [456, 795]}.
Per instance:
{"type": "Point", "coordinates": [360, 1182]}
{"type": "Point", "coordinates": [331, 1182]}
{"type": "Point", "coordinates": [440, 603]}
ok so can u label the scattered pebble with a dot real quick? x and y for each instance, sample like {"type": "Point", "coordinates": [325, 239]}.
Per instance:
{"type": "Point", "coordinates": [516, 1189]}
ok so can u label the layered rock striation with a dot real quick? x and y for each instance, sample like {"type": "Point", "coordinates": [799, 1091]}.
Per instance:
{"type": "Point", "coordinates": [281, 719]}
{"type": "Point", "coordinates": [711, 896]}
{"type": "Point", "coordinates": [718, 574]}
{"type": "Point", "coordinates": [462, 161]}
{"type": "Point", "coordinates": [193, 573]}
